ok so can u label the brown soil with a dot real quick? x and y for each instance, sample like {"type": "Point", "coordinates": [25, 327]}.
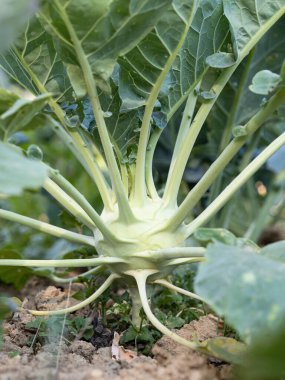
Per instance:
{"type": "Point", "coordinates": [80, 360]}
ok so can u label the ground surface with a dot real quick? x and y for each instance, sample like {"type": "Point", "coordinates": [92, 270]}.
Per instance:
{"type": "Point", "coordinates": [25, 358]}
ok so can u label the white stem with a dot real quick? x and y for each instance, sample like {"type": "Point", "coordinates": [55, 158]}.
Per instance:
{"type": "Point", "coordinates": [66, 280]}
{"type": "Point", "coordinates": [140, 277]}
{"type": "Point", "coordinates": [172, 253]}
{"type": "Point", "coordinates": [185, 260]}
{"type": "Point", "coordinates": [47, 228]}
{"type": "Point", "coordinates": [76, 263]}
{"type": "Point", "coordinates": [236, 184]}
{"type": "Point", "coordinates": [82, 202]}
{"type": "Point", "coordinates": [82, 304]}
{"type": "Point", "coordinates": [177, 289]}
{"type": "Point", "coordinates": [67, 202]}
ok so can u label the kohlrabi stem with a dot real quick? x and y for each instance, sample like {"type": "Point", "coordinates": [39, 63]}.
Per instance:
{"type": "Point", "coordinates": [235, 185]}
{"type": "Point", "coordinates": [179, 162]}
{"type": "Point", "coordinates": [178, 289]}
{"type": "Point", "coordinates": [136, 306]}
{"type": "Point", "coordinates": [61, 131]}
{"type": "Point", "coordinates": [226, 137]}
{"type": "Point", "coordinates": [66, 280]}
{"type": "Point", "coordinates": [173, 181]}
{"type": "Point", "coordinates": [82, 304]}
{"type": "Point", "coordinates": [89, 158]}
{"type": "Point", "coordinates": [141, 277]}
{"type": "Point", "coordinates": [83, 203]}
{"type": "Point", "coordinates": [184, 260]}
{"type": "Point", "coordinates": [225, 157]}
{"type": "Point", "coordinates": [227, 133]}
{"type": "Point", "coordinates": [66, 201]}
{"type": "Point", "coordinates": [140, 176]}
{"type": "Point", "coordinates": [72, 263]}
{"type": "Point", "coordinates": [123, 204]}
{"type": "Point", "coordinates": [172, 253]}
{"type": "Point", "coordinates": [185, 123]}
{"type": "Point", "coordinates": [47, 228]}
{"type": "Point", "coordinates": [151, 189]}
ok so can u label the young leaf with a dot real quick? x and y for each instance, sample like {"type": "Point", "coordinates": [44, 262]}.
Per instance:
{"type": "Point", "coordinates": [26, 173]}
{"type": "Point", "coordinates": [264, 82]}
{"type": "Point", "coordinates": [244, 287]}
{"type": "Point", "coordinates": [220, 60]}
{"type": "Point", "coordinates": [21, 113]}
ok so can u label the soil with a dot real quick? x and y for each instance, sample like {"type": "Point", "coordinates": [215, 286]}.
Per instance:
{"type": "Point", "coordinates": [23, 357]}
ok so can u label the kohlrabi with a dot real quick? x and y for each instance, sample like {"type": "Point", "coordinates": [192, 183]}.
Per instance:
{"type": "Point", "coordinates": [135, 63]}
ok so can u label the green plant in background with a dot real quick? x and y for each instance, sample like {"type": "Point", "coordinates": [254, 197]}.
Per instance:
{"type": "Point", "coordinates": [107, 78]}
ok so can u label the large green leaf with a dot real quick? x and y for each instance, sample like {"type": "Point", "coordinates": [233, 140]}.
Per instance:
{"type": "Point", "coordinates": [13, 16]}
{"type": "Point", "coordinates": [246, 18]}
{"type": "Point", "coordinates": [237, 104]}
{"type": "Point", "coordinates": [142, 67]}
{"type": "Point", "coordinates": [264, 360]}
{"type": "Point", "coordinates": [244, 287]}
{"type": "Point", "coordinates": [105, 30]}
{"type": "Point", "coordinates": [34, 62]}
{"type": "Point", "coordinates": [206, 36]}
{"type": "Point", "coordinates": [18, 172]}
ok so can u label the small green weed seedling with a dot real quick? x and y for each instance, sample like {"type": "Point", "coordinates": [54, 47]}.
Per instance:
{"type": "Point", "coordinates": [107, 77]}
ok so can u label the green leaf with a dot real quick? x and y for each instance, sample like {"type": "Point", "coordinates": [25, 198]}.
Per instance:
{"type": "Point", "coordinates": [21, 113]}
{"type": "Point", "coordinates": [220, 60]}
{"type": "Point", "coordinates": [18, 172]}
{"type": "Point", "coordinates": [143, 66]}
{"type": "Point", "coordinates": [7, 99]}
{"type": "Point", "coordinates": [206, 36]}
{"type": "Point", "coordinates": [34, 55]}
{"type": "Point", "coordinates": [105, 30]}
{"type": "Point", "coordinates": [244, 287]}
{"type": "Point", "coordinates": [227, 349]}
{"type": "Point", "coordinates": [247, 18]}
{"type": "Point", "coordinates": [264, 360]}
{"type": "Point", "coordinates": [215, 234]}
{"type": "Point", "coordinates": [275, 251]}
{"type": "Point", "coordinates": [264, 82]}
{"type": "Point", "coordinates": [13, 16]}
{"type": "Point", "coordinates": [35, 152]}
{"type": "Point", "coordinates": [237, 104]}
{"type": "Point", "coordinates": [240, 130]}
{"type": "Point", "coordinates": [206, 95]}
{"type": "Point", "coordinates": [13, 275]}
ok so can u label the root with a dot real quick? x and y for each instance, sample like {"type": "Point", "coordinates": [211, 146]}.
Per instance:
{"type": "Point", "coordinates": [178, 290]}
{"type": "Point", "coordinates": [80, 305]}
